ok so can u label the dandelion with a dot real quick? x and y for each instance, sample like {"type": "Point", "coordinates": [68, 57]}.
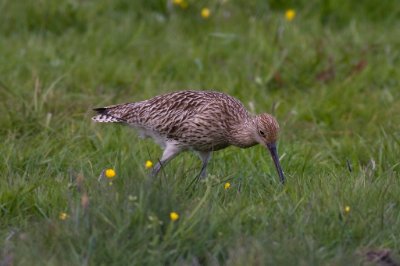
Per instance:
{"type": "Point", "coordinates": [290, 14]}
{"type": "Point", "coordinates": [148, 164]}
{"type": "Point", "coordinates": [63, 216]}
{"type": "Point", "coordinates": [174, 216]}
{"type": "Point", "coordinates": [347, 209]}
{"type": "Point", "coordinates": [227, 185]}
{"type": "Point", "coordinates": [110, 173]}
{"type": "Point", "coordinates": [205, 13]}
{"type": "Point", "coordinates": [184, 4]}
{"type": "Point", "coordinates": [181, 3]}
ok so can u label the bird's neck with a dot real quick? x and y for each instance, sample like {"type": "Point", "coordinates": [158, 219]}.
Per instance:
{"type": "Point", "coordinates": [243, 134]}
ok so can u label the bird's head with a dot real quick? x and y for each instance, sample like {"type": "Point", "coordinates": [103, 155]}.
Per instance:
{"type": "Point", "coordinates": [267, 129]}
{"type": "Point", "coordinates": [267, 134]}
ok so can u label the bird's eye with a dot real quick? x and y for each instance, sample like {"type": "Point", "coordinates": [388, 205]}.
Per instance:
{"type": "Point", "coordinates": [262, 133]}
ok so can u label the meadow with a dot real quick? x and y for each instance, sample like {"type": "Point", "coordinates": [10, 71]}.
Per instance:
{"type": "Point", "coordinates": [329, 72]}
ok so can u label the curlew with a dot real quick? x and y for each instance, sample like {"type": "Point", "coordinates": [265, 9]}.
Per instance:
{"type": "Point", "coordinates": [202, 121]}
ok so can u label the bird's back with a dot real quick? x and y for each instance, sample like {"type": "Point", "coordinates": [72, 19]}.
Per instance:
{"type": "Point", "coordinates": [200, 120]}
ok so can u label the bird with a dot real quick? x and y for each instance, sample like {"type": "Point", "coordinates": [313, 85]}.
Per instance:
{"type": "Point", "coordinates": [198, 120]}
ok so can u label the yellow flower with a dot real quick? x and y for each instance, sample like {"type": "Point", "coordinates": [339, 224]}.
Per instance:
{"type": "Point", "coordinates": [174, 216]}
{"type": "Point", "coordinates": [110, 173]}
{"type": "Point", "coordinates": [205, 13]}
{"type": "Point", "coordinates": [290, 14]}
{"type": "Point", "coordinates": [347, 209]}
{"type": "Point", "coordinates": [63, 216]}
{"type": "Point", "coordinates": [148, 164]}
{"type": "Point", "coordinates": [227, 185]}
{"type": "Point", "coordinates": [182, 3]}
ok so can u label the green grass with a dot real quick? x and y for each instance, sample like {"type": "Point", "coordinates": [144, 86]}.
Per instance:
{"type": "Point", "coordinates": [331, 77]}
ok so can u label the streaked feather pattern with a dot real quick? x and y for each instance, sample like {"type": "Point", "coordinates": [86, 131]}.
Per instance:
{"type": "Point", "coordinates": [202, 121]}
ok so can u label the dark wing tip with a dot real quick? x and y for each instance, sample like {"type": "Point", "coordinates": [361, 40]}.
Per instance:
{"type": "Point", "coordinates": [100, 109]}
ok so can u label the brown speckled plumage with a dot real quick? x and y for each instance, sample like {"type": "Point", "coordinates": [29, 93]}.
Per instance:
{"type": "Point", "coordinates": [203, 121]}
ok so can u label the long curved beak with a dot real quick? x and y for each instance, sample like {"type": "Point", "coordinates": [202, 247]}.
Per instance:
{"type": "Point", "coordinates": [275, 157]}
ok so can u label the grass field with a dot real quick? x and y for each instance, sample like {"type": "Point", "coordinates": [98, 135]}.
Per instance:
{"type": "Point", "coordinates": [330, 76]}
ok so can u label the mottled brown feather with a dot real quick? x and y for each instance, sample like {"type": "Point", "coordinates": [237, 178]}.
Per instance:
{"type": "Point", "coordinates": [203, 121]}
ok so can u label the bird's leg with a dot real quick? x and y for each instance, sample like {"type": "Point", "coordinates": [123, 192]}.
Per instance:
{"type": "Point", "coordinates": [205, 157]}
{"type": "Point", "coordinates": [169, 153]}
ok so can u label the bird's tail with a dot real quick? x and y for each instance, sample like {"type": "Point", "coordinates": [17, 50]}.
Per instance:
{"type": "Point", "coordinates": [106, 115]}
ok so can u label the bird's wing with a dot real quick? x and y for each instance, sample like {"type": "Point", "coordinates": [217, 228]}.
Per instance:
{"type": "Point", "coordinates": [180, 114]}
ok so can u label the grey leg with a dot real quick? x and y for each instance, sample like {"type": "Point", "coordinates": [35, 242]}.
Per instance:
{"type": "Point", "coordinates": [169, 153]}
{"type": "Point", "coordinates": [205, 157]}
